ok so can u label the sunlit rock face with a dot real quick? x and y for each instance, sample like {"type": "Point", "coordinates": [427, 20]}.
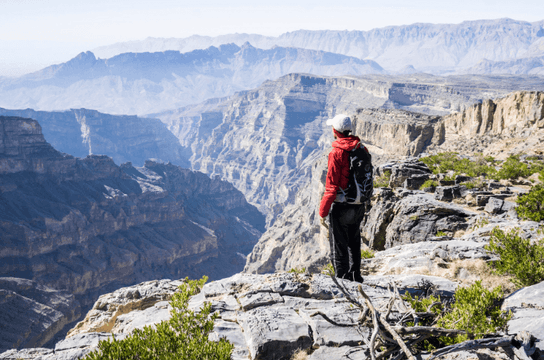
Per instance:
{"type": "Point", "coordinates": [296, 239]}
{"type": "Point", "coordinates": [264, 141]}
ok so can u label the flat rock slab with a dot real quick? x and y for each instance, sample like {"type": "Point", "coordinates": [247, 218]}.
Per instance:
{"type": "Point", "coordinates": [527, 306]}
{"type": "Point", "coordinates": [265, 316]}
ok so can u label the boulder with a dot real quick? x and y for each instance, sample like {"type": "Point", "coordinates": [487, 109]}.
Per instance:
{"type": "Point", "coordinates": [447, 193]}
{"type": "Point", "coordinates": [378, 218]}
{"type": "Point", "coordinates": [407, 169]}
{"type": "Point", "coordinates": [527, 306]}
{"type": "Point", "coordinates": [418, 217]}
{"type": "Point", "coordinates": [103, 316]}
{"type": "Point", "coordinates": [414, 182]}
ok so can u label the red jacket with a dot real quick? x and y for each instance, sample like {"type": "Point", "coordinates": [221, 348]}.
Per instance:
{"type": "Point", "coordinates": [338, 172]}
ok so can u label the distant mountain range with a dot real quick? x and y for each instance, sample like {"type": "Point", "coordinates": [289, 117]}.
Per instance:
{"type": "Point", "coordinates": [140, 83]}
{"type": "Point", "coordinates": [431, 48]}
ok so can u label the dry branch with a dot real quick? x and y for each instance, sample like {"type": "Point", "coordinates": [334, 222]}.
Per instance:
{"type": "Point", "coordinates": [474, 345]}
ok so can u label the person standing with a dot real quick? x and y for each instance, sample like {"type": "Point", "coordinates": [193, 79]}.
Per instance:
{"type": "Point", "coordinates": [344, 218]}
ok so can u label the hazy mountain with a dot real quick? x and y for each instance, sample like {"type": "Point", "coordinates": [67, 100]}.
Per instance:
{"type": "Point", "coordinates": [433, 48]}
{"type": "Point", "coordinates": [139, 83]}
{"type": "Point", "coordinates": [124, 138]}
{"type": "Point", "coordinates": [530, 65]}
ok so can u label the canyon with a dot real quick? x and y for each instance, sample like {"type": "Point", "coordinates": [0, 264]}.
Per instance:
{"type": "Point", "coordinates": [88, 226]}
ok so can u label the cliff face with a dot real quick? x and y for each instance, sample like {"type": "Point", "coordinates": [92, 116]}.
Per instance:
{"type": "Point", "coordinates": [510, 125]}
{"type": "Point", "coordinates": [88, 226]}
{"type": "Point", "coordinates": [496, 127]}
{"type": "Point", "coordinates": [123, 138]}
{"type": "Point", "coordinates": [264, 141]}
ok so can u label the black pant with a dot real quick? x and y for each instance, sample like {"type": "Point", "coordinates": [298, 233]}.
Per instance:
{"type": "Point", "coordinates": [345, 239]}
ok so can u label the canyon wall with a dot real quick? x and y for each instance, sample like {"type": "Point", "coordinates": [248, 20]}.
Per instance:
{"type": "Point", "coordinates": [88, 226]}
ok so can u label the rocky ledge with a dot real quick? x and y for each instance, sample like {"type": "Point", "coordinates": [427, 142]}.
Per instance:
{"type": "Point", "coordinates": [272, 316]}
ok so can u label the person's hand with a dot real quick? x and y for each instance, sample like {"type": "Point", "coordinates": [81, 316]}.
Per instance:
{"type": "Point", "coordinates": [324, 223]}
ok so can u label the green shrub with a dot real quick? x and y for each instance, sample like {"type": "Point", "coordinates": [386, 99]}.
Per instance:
{"type": "Point", "coordinates": [298, 271]}
{"type": "Point", "coordinates": [518, 257]}
{"type": "Point", "coordinates": [444, 162]}
{"type": "Point", "coordinates": [441, 233]}
{"type": "Point", "coordinates": [328, 270]}
{"type": "Point", "coordinates": [531, 205]}
{"type": "Point", "coordinates": [423, 305]}
{"type": "Point", "coordinates": [367, 254]}
{"type": "Point", "coordinates": [474, 184]}
{"type": "Point", "coordinates": [429, 183]}
{"type": "Point", "coordinates": [512, 168]}
{"type": "Point", "coordinates": [383, 181]}
{"type": "Point", "coordinates": [475, 310]}
{"type": "Point", "coordinates": [184, 336]}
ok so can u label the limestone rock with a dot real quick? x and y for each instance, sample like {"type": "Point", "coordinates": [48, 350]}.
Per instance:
{"type": "Point", "coordinates": [407, 169]}
{"type": "Point", "coordinates": [31, 314]}
{"type": "Point", "coordinates": [108, 310]}
{"type": "Point", "coordinates": [527, 306]}
{"type": "Point", "coordinates": [418, 216]}
{"type": "Point", "coordinates": [88, 226]}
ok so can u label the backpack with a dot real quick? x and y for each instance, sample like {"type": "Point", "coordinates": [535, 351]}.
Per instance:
{"type": "Point", "coordinates": [361, 183]}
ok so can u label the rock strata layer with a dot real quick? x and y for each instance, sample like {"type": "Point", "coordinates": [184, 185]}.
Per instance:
{"type": "Point", "coordinates": [88, 226]}
{"type": "Point", "coordinates": [264, 316]}
{"type": "Point", "coordinates": [32, 314]}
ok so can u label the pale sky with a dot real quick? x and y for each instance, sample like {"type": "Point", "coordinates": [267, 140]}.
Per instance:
{"type": "Point", "coordinates": [38, 33]}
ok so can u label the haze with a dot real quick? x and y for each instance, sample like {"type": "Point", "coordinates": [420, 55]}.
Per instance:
{"type": "Point", "coordinates": [35, 34]}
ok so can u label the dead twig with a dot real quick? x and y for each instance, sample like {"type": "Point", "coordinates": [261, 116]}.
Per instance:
{"type": "Point", "coordinates": [386, 325]}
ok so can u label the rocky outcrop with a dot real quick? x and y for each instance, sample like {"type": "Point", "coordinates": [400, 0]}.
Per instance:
{"type": "Point", "coordinates": [123, 138]}
{"type": "Point", "coordinates": [510, 125]}
{"type": "Point", "coordinates": [272, 316]}
{"type": "Point", "coordinates": [527, 306]}
{"type": "Point", "coordinates": [88, 226]}
{"type": "Point", "coordinates": [398, 132]}
{"type": "Point", "coordinates": [264, 316]}
{"type": "Point", "coordinates": [31, 314]}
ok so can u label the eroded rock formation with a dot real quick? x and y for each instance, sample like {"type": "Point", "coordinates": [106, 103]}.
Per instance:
{"type": "Point", "coordinates": [88, 226]}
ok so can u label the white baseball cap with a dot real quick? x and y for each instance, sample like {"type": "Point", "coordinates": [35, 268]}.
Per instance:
{"type": "Point", "coordinates": [340, 123]}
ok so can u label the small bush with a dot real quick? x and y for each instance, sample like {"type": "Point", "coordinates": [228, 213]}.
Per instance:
{"type": "Point", "coordinates": [298, 271]}
{"type": "Point", "coordinates": [518, 257]}
{"type": "Point", "coordinates": [367, 254]}
{"type": "Point", "coordinates": [480, 222]}
{"type": "Point", "coordinates": [184, 336]}
{"type": "Point", "coordinates": [328, 270]}
{"type": "Point", "coordinates": [474, 184]}
{"type": "Point", "coordinates": [475, 310]}
{"type": "Point", "coordinates": [441, 233]}
{"type": "Point", "coordinates": [383, 181]}
{"type": "Point", "coordinates": [444, 162]}
{"type": "Point", "coordinates": [531, 205]}
{"type": "Point", "coordinates": [512, 168]}
{"type": "Point", "coordinates": [429, 183]}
